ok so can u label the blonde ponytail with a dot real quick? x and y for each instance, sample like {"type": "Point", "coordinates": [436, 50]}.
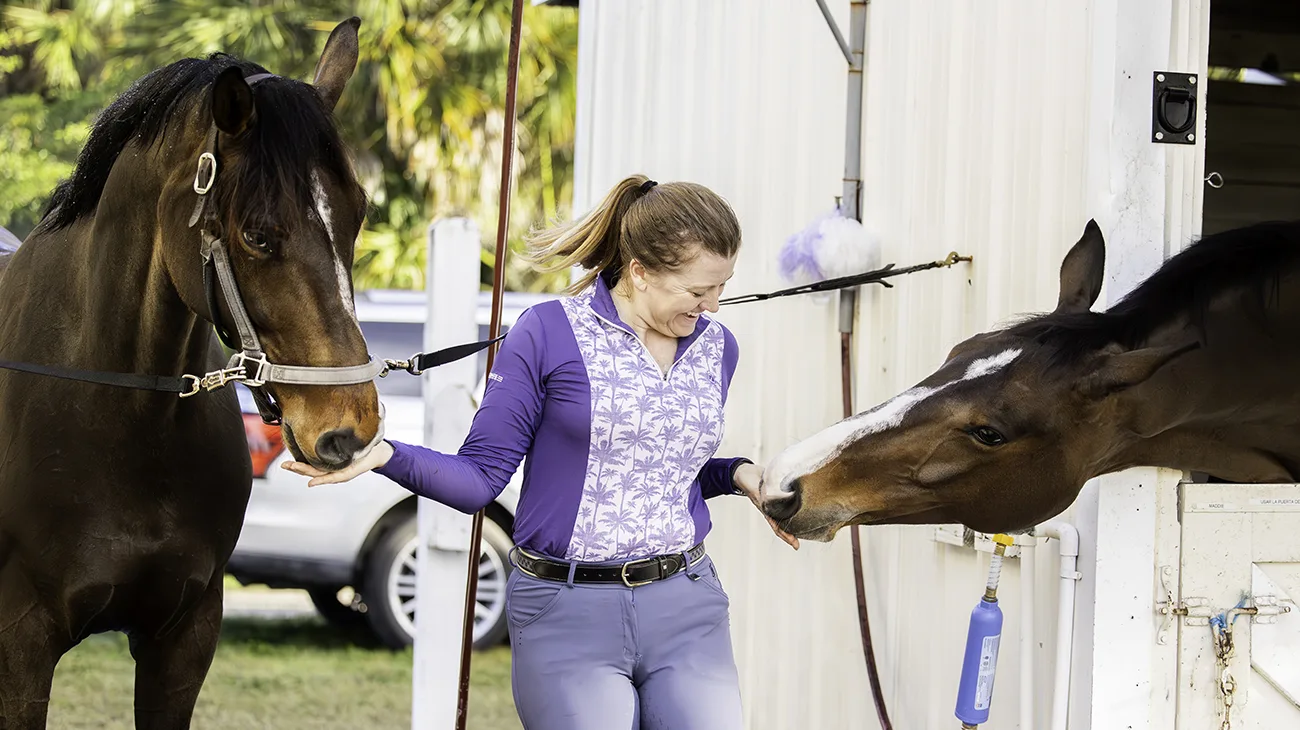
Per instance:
{"type": "Point", "coordinates": [592, 241]}
{"type": "Point", "coordinates": [661, 226]}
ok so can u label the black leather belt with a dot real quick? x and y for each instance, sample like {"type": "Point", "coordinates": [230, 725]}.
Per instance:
{"type": "Point", "coordinates": [631, 574]}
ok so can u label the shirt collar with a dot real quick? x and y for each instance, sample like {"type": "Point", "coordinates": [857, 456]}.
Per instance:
{"type": "Point", "coordinates": [602, 303]}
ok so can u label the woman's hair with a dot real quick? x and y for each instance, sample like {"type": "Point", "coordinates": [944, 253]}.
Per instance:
{"type": "Point", "coordinates": [643, 220]}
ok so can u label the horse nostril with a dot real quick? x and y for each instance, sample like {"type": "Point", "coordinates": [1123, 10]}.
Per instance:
{"type": "Point", "coordinates": [781, 507]}
{"type": "Point", "coordinates": [336, 448]}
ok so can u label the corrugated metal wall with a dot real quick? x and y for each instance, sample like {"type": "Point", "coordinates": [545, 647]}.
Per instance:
{"type": "Point", "coordinates": [975, 131]}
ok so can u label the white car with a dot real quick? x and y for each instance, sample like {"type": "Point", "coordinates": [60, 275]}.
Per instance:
{"type": "Point", "coordinates": [361, 535]}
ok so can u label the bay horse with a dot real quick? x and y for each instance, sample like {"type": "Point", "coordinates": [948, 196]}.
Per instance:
{"type": "Point", "coordinates": [1195, 369]}
{"type": "Point", "coordinates": [124, 468]}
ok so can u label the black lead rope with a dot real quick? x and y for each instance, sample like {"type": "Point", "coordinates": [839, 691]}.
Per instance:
{"type": "Point", "coordinates": [843, 282]}
{"type": "Point", "coordinates": [418, 363]}
{"type": "Point", "coordinates": [164, 383]}
{"type": "Point", "coordinates": [172, 384]}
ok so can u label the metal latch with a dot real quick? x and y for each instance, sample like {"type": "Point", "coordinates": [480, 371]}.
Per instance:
{"type": "Point", "coordinates": [1196, 610]}
{"type": "Point", "coordinates": [1268, 608]}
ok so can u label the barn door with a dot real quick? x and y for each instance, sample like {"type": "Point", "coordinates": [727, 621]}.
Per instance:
{"type": "Point", "coordinates": [1235, 609]}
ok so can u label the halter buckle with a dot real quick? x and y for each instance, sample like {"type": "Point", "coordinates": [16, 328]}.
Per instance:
{"type": "Point", "coordinates": [258, 378]}
{"type": "Point", "coordinates": [200, 186]}
{"type": "Point", "coordinates": [219, 378]}
{"type": "Point", "coordinates": [235, 371]}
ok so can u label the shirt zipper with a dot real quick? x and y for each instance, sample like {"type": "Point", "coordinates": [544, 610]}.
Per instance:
{"type": "Point", "coordinates": [667, 375]}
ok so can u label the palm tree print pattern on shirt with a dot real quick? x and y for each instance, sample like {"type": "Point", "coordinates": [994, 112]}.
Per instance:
{"type": "Point", "coordinates": [650, 436]}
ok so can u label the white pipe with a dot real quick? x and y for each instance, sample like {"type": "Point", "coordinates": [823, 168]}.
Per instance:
{"type": "Point", "coordinates": [1027, 635]}
{"type": "Point", "coordinates": [1069, 538]}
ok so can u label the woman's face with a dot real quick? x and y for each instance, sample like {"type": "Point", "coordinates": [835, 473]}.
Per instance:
{"type": "Point", "coordinates": [672, 301]}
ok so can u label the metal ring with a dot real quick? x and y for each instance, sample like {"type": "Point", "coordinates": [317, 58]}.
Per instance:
{"type": "Point", "coordinates": [194, 385]}
{"type": "Point", "coordinates": [1209, 180]}
{"type": "Point", "coordinates": [413, 365]}
{"type": "Point", "coordinates": [203, 188]}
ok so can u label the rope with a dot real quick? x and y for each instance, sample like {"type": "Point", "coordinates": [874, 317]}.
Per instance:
{"type": "Point", "coordinates": [877, 276]}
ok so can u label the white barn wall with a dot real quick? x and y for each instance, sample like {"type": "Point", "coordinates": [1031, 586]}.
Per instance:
{"type": "Point", "coordinates": [980, 136]}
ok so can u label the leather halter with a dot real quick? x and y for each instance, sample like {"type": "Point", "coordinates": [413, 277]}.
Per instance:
{"type": "Point", "coordinates": [248, 364]}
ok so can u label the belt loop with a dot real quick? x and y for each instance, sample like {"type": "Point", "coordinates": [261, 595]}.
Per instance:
{"type": "Point", "coordinates": [690, 569]}
{"type": "Point", "coordinates": [573, 568]}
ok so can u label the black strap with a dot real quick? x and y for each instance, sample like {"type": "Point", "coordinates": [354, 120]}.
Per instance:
{"type": "Point", "coordinates": [214, 309]}
{"type": "Point", "coordinates": [426, 360]}
{"type": "Point", "coordinates": [164, 383]}
{"type": "Point", "coordinates": [267, 408]}
{"type": "Point", "coordinates": [171, 384]}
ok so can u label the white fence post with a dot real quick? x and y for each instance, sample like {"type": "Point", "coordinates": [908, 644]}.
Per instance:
{"type": "Point", "coordinates": [442, 557]}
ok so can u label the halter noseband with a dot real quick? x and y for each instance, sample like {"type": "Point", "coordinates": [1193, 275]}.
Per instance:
{"type": "Point", "coordinates": [249, 364]}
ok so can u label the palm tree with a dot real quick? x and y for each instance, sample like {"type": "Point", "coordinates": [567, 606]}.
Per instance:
{"type": "Point", "coordinates": [424, 111]}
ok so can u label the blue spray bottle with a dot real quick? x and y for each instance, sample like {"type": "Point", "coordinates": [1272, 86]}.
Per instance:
{"type": "Point", "coordinates": [975, 691]}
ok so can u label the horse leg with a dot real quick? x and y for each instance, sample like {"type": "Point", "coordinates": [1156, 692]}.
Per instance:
{"type": "Point", "coordinates": [31, 644]}
{"type": "Point", "coordinates": [170, 668]}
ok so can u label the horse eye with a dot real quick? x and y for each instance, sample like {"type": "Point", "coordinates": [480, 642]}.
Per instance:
{"type": "Point", "coordinates": [988, 436]}
{"type": "Point", "coordinates": [256, 240]}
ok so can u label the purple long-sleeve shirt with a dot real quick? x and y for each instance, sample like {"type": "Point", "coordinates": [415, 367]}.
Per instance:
{"type": "Point", "coordinates": [619, 455]}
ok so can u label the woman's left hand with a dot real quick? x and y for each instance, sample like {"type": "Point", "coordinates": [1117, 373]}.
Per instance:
{"type": "Point", "coordinates": [749, 478]}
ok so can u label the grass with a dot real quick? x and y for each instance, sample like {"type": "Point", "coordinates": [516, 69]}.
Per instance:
{"type": "Point", "coordinates": [281, 674]}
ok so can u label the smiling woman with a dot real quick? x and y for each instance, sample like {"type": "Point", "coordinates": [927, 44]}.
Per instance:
{"type": "Point", "coordinates": [616, 396]}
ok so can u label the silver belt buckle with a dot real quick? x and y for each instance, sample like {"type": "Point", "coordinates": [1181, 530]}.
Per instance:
{"type": "Point", "coordinates": [622, 573]}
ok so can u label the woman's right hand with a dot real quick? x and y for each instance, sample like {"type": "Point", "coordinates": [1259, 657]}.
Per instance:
{"type": "Point", "coordinates": [373, 459]}
{"type": "Point", "coordinates": [749, 478]}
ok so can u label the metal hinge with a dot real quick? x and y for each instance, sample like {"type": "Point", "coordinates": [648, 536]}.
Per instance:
{"type": "Point", "coordinates": [1195, 609]}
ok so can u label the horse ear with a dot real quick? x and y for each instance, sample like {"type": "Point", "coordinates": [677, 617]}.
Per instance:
{"type": "Point", "coordinates": [1116, 372]}
{"type": "Point", "coordinates": [1082, 271]}
{"type": "Point", "coordinates": [338, 61]}
{"type": "Point", "coordinates": [232, 102]}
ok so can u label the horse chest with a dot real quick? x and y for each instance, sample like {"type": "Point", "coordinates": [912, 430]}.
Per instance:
{"type": "Point", "coordinates": [110, 475]}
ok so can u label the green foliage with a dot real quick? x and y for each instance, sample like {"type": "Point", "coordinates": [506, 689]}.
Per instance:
{"type": "Point", "coordinates": [424, 113]}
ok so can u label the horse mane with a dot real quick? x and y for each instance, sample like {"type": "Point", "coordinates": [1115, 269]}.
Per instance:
{"type": "Point", "coordinates": [1251, 260]}
{"type": "Point", "coordinates": [294, 131]}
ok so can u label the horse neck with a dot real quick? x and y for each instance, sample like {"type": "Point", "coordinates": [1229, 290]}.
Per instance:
{"type": "Point", "coordinates": [1230, 408]}
{"type": "Point", "coordinates": [133, 318]}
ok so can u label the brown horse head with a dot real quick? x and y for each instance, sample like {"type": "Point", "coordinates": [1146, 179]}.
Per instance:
{"type": "Point", "coordinates": [279, 193]}
{"type": "Point", "coordinates": [1007, 430]}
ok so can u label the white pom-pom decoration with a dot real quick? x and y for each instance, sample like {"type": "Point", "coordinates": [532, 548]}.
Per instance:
{"type": "Point", "coordinates": [845, 247]}
{"type": "Point", "coordinates": [827, 248]}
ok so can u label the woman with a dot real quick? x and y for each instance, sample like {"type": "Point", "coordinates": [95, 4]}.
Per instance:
{"type": "Point", "coordinates": [617, 617]}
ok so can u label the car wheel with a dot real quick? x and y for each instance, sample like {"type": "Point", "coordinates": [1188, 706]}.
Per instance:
{"type": "Point", "coordinates": [336, 612]}
{"type": "Point", "coordinates": [389, 585]}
